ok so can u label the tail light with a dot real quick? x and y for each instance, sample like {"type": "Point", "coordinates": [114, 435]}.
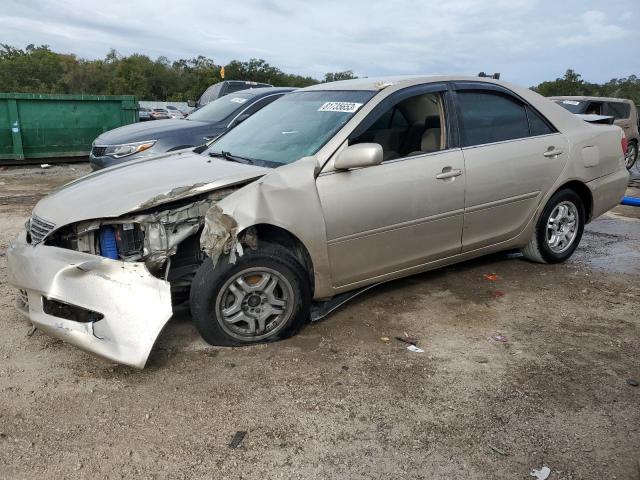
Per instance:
{"type": "Point", "coordinates": [624, 143]}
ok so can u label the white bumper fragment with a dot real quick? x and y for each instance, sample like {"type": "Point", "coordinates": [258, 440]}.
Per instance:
{"type": "Point", "coordinates": [135, 304]}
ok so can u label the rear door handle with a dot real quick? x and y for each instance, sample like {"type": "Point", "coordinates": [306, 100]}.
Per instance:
{"type": "Point", "coordinates": [448, 172]}
{"type": "Point", "coordinates": [552, 152]}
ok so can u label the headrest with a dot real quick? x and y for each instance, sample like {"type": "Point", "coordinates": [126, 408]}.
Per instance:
{"type": "Point", "coordinates": [432, 121]}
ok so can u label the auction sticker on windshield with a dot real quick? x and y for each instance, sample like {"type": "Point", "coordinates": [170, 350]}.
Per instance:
{"type": "Point", "coordinates": [570, 102]}
{"type": "Point", "coordinates": [344, 107]}
{"type": "Point", "coordinates": [238, 100]}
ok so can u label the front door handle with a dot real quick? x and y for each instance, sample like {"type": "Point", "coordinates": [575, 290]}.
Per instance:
{"type": "Point", "coordinates": [552, 152]}
{"type": "Point", "coordinates": [448, 172]}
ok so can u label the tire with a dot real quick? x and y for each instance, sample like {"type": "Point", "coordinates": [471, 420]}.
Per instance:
{"type": "Point", "coordinates": [541, 247]}
{"type": "Point", "coordinates": [632, 155]}
{"type": "Point", "coordinates": [272, 311]}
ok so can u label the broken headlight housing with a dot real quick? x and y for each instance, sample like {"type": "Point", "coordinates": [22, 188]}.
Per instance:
{"type": "Point", "coordinates": [119, 151]}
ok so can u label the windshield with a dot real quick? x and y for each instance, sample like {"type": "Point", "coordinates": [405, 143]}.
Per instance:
{"type": "Point", "coordinates": [221, 108]}
{"type": "Point", "coordinates": [295, 126]}
{"type": "Point", "coordinates": [574, 106]}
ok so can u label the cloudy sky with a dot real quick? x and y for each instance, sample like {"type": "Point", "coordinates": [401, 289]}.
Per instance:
{"type": "Point", "coordinates": [528, 41]}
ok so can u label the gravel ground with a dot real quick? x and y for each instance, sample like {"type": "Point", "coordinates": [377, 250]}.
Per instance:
{"type": "Point", "coordinates": [344, 399]}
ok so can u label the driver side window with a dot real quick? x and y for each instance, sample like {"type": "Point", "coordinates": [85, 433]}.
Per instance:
{"type": "Point", "coordinates": [413, 126]}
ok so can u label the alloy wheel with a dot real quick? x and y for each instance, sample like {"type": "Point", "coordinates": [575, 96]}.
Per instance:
{"type": "Point", "coordinates": [562, 227]}
{"type": "Point", "coordinates": [631, 155]}
{"type": "Point", "coordinates": [255, 303]}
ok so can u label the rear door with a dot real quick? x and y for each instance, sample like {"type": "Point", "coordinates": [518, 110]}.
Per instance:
{"type": "Point", "coordinates": [513, 156]}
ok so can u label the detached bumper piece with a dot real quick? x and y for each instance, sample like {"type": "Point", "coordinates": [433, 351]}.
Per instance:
{"type": "Point", "coordinates": [111, 308]}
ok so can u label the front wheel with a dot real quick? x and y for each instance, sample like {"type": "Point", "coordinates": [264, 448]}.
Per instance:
{"type": "Point", "coordinates": [558, 230]}
{"type": "Point", "coordinates": [631, 156]}
{"type": "Point", "coordinates": [264, 296]}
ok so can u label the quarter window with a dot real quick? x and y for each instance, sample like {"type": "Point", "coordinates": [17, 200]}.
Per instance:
{"type": "Point", "coordinates": [537, 124]}
{"type": "Point", "coordinates": [488, 117]}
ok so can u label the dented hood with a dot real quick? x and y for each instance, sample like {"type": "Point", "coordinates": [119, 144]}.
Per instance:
{"type": "Point", "coordinates": [141, 184]}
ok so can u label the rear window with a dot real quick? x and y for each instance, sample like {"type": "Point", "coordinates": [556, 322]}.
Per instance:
{"type": "Point", "coordinates": [236, 87]}
{"type": "Point", "coordinates": [210, 94]}
{"type": "Point", "coordinates": [619, 110]}
{"type": "Point", "coordinates": [574, 106]}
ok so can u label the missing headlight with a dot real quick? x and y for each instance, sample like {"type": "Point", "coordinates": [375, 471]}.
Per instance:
{"type": "Point", "coordinates": [124, 241]}
{"type": "Point", "coordinates": [129, 239]}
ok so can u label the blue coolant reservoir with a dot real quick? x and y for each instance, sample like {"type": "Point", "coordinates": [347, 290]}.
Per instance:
{"type": "Point", "coordinates": [108, 245]}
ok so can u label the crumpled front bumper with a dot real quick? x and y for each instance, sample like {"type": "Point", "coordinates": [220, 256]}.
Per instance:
{"type": "Point", "coordinates": [135, 305]}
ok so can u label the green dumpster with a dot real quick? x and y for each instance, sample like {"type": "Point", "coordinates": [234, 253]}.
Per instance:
{"type": "Point", "coordinates": [35, 126]}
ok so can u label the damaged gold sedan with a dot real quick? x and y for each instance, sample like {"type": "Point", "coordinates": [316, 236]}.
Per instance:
{"type": "Point", "coordinates": [324, 193]}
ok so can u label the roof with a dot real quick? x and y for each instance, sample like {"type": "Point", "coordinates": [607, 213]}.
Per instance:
{"type": "Point", "coordinates": [584, 97]}
{"type": "Point", "coordinates": [263, 91]}
{"type": "Point", "coordinates": [377, 83]}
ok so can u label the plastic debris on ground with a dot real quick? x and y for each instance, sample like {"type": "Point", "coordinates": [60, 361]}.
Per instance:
{"type": "Point", "coordinates": [499, 338]}
{"type": "Point", "coordinates": [237, 439]}
{"type": "Point", "coordinates": [492, 277]}
{"type": "Point", "coordinates": [385, 339]}
{"type": "Point", "coordinates": [541, 474]}
{"type": "Point", "coordinates": [633, 382]}
{"type": "Point", "coordinates": [45, 165]}
{"type": "Point", "coordinates": [497, 450]}
{"type": "Point", "coordinates": [413, 348]}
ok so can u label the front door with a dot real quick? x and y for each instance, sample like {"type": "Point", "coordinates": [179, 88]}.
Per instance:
{"type": "Point", "coordinates": [408, 210]}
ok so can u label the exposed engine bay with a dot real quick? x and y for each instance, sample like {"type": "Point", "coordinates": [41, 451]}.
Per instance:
{"type": "Point", "coordinates": [165, 238]}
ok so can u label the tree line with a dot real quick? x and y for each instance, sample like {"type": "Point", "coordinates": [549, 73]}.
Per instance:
{"type": "Point", "coordinates": [572, 83]}
{"type": "Point", "coordinates": [38, 69]}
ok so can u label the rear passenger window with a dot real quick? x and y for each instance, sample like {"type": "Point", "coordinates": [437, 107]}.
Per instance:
{"type": "Point", "coordinates": [619, 110]}
{"type": "Point", "coordinates": [537, 124]}
{"type": "Point", "coordinates": [490, 117]}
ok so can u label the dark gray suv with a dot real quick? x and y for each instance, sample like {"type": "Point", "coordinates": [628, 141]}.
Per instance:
{"type": "Point", "coordinates": [152, 138]}
{"type": "Point", "coordinates": [223, 88]}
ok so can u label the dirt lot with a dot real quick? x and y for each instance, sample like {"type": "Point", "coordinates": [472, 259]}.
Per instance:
{"type": "Point", "coordinates": [340, 401]}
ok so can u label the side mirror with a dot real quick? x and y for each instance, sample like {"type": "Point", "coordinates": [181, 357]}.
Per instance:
{"type": "Point", "coordinates": [192, 103]}
{"type": "Point", "coordinates": [359, 156]}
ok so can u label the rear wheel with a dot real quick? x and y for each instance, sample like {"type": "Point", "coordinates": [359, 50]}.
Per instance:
{"type": "Point", "coordinates": [631, 156]}
{"type": "Point", "coordinates": [264, 296]}
{"type": "Point", "coordinates": [558, 230]}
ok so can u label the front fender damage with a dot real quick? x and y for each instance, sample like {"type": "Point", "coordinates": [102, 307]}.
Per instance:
{"type": "Point", "coordinates": [220, 236]}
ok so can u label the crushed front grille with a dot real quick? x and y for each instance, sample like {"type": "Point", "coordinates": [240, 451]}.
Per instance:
{"type": "Point", "coordinates": [38, 229]}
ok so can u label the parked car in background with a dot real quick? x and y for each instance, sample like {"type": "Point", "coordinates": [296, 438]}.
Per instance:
{"type": "Point", "coordinates": [623, 111]}
{"type": "Point", "coordinates": [144, 114]}
{"type": "Point", "coordinates": [144, 140]}
{"type": "Point", "coordinates": [328, 190]}
{"type": "Point", "coordinates": [175, 112]}
{"type": "Point", "coordinates": [221, 89]}
{"type": "Point", "coordinates": [159, 114]}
